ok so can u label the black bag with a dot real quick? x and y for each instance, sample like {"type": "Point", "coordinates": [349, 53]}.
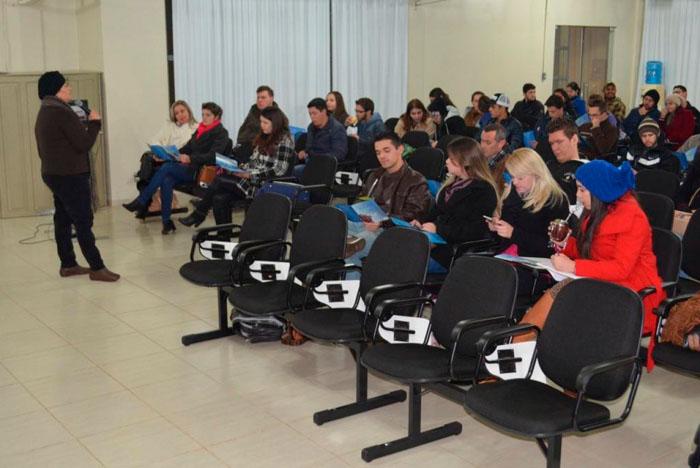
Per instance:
{"type": "Point", "coordinates": [257, 329]}
{"type": "Point", "coordinates": [146, 170]}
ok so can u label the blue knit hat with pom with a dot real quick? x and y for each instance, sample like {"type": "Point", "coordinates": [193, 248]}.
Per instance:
{"type": "Point", "coordinates": [605, 181]}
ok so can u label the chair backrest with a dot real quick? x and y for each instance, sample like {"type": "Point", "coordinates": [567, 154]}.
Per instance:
{"type": "Point", "coordinates": [668, 250]}
{"type": "Point", "coordinates": [457, 126]}
{"type": "Point", "coordinates": [416, 138]}
{"type": "Point", "coordinates": [446, 140]}
{"type": "Point", "coordinates": [428, 161]}
{"type": "Point", "coordinates": [319, 169]}
{"type": "Point", "coordinates": [658, 181]}
{"type": "Point", "coordinates": [591, 321]}
{"type": "Point", "coordinates": [691, 247]}
{"type": "Point", "coordinates": [300, 142]}
{"type": "Point", "coordinates": [390, 123]}
{"type": "Point", "coordinates": [353, 150]}
{"type": "Point", "coordinates": [320, 235]}
{"type": "Point", "coordinates": [267, 218]}
{"type": "Point", "coordinates": [658, 208]}
{"type": "Point", "coordinates": [398, 255]}
{"type": "Point", "coordinates": [476, 287]}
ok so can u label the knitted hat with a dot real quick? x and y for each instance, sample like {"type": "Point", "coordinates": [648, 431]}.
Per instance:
{"type": "Point", "coordinates": [605, 181]}
{"type": "Point", "coordinates": [50, 83]}
{"type": "Point", "coordinates": [649, 125]}
{"type": "Point", "coordinates": [674, 98]}
{"type": "Point", "coordinates": [654, 94]}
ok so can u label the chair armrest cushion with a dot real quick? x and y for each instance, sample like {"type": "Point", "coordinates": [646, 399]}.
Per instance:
{"type": "Point", "coordinates": [588, 372]}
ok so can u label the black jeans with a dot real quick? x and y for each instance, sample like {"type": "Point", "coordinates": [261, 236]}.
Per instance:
{"type": "Point", "coordinates": [71, 197]}
{"type": "Point", "coordinates": [221, 194]}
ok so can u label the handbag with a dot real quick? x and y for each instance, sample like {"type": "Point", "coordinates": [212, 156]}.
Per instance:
{"type": "Point", "coordinates": [206, 176]}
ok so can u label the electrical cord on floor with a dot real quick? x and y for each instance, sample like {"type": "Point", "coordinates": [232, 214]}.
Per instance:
{"type": "Point", "coordinates": [33, 239]}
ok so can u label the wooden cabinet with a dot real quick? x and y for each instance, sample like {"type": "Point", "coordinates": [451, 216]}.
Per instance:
{"type": "Point", "coordinates": [22, 191]}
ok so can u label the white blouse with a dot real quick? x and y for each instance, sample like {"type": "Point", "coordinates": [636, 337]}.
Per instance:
{"type": "Point", "coordinates": [174, 134]}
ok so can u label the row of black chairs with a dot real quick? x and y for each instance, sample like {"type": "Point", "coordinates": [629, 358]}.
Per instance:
{"type": "Point", "coordinates": [476, 298]}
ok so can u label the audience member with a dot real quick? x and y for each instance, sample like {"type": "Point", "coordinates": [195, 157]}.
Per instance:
{"type": "Point", "coordinates": [683, 92]}
{"type": "Point", "coordinates": [484, 106]}
{"type": "Point", "coordinates": [647, 108]}
{"type": "Point", "coordinates": [210, 138]}
{"type": "Point", "coordinates": [415, 118]}
{"type": "Point", "coordinates": [563, 139]}
{"type": "Point", "coordinates": [273, 155]}
{"type": "Point", "coordinates": [369, 123]}
{"type": "Point", "coordinates": [568, 108]}
{"type": "Point", "coordinates": [613, 242]}
{"type": "Point", "coordinates": [265, 97]}
{"type": "Point", "coordinates": [573, 90]}
{"type": "Point", "coordinates": [555, 110]}
{"type": "Point", "coordinates": [676, 121]}
{"type": "Point", "coordinates": [64, 143]}
{"type": "Point", "coordinates": [599, 136]}
{"type": "Point", "coordinates": [499, 114]}
{"type": "Point", "coordinates": [529, 110]}
{"type": "Point", "coordinates": [494, 147]}
{"type": "Point", "coordinates": [438, 114]}
{"type": "Point", "coordinates": [469, 194]}
{"type": "Point", "coordinates": [615, 105]}
{"type": "Point", "coordinates": [325, 135]}
{"type": "Point", "coordinates": [473, 113]}
{"type": "Point", "coordinates": [648, 153]}
{"type": "Point", "coordinates": [336, 107]}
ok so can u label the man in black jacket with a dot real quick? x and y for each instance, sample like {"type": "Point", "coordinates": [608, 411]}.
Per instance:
{"type": "Point", "coordinates": [264, 97]}
{"type": "Point", "coordinates": [64, 143]}
{"type": "Point", "coordinates": [682, 91]}
{"type": "Point", "coordinates": [529, 110]}
{"type": "Point", "coordinates": [563, 138]}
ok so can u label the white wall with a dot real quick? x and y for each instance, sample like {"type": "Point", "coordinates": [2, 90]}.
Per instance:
{"type": "Point", "coordinates": [89, 21]}
{"type": "Point", "coordinates": [496, 46]}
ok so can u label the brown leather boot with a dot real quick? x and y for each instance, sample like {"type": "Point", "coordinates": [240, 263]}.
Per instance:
{"type": "Point", "coordinates": [103, 275]}
{"type": "Point", "coordinates": [74, 270]}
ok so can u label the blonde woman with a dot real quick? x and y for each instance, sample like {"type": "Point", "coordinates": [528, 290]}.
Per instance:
{"type": "Point", "coordinates": [179, 128]}
{"type": "Point", "coordinates": [467, 196]}
{"type": "Point", "coordinates": [530, 203]}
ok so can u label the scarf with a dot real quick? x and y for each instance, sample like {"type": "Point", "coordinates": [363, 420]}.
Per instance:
{"type": "Point", "coordinates": [458, 185]}
{"type": "Point", "coordinates": [202, 129]}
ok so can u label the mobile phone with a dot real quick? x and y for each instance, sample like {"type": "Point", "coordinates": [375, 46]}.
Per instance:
{"type": "Point", "coordinates": [401, 328]}
{"type": "Point", "coordinates": [509, 366]}
{"type": "Point", "coordinates": [488, 218]}
{"type": "Point", "coordinates": [335, 292]}
{"type": "Point", "coordinates": [268, 271]}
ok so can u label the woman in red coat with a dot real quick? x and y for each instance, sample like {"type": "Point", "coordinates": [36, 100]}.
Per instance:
{"type": "Point", "coordinates": [677, 122]}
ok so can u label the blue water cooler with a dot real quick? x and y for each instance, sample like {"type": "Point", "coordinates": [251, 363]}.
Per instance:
{"type": "Point", "coordinates": [654, 80]}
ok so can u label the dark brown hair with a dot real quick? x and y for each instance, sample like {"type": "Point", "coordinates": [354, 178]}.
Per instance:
{"type": "Point", "coordinates": [566, 125]}
{"type": "Point", "coordinates": [596, 100]}
{"type": "Point", "coordinates": [265, 88]}
{"type": "Point", "coordinates": [280, 129]}
{"type": "Point", "coordinates": [592, 219]}
{"type": "Point", "coordinates": [340, 113]}
{"type": "Point", "coordinates": [214, 108]}
{"type": "Point", "coordinates": [406, 117]}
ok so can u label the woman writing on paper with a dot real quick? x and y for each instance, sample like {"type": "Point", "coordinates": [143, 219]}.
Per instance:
{"type": "Point", "coordinates": [273, 153]}
{"type": "Point", "coordinates": [467, 196]}
{"type": "Point", "coordinates": [613, 242]}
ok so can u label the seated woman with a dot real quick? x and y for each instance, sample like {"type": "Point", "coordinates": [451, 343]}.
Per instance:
{"type": "Point", "coordinates": [415, 118]}
{"type": "Point", "coordinates": [175, 132]}
{"type": "Point", "coordinates": [613, 242]}
{"type": "Point", "coordinates": [530, 203]}
{"type": "Point", "coordinates": [649, 154]}
{"type": "Point", "coordinates": [677, 122]}
{"type": "Point", "coordinates": [273, 155]}
{"type": "Point", "coordinates": [210, 138]}
{"type": "Point", "coordinates": [473, 113]}
{"type": "Point", "coordinates": [336, 107]}
{"type": "Point", "coordinates": [467, 196]}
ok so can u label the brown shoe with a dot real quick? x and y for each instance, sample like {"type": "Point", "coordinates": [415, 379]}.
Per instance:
{"type": "Point", "coordinates": [353, 245]}
{"type": "Point", "coordinates": [103, 275]}
{"type": "Point", "coordinates": [72, 271]}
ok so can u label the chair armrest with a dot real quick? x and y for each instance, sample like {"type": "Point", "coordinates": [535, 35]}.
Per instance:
{"type": "Point", "coordinates": [494, 335]}
{"type": "Point", "coordinates": [665, 307]}
{"type": "Point", "coordinates": [377, 291]}
{"type": "Point", "coordinates": [464, 325]}
{"type": "Point", "coordinates": [479, 247]}
{"type": "Point", "coordinates": [200, 235]}
{"type": "Point", "coordinates": [384, 307]}
{"type": "Point", "coordinates": [294, 271]}
{"type": "Point", "coordinates": [583, 378]}
{"type": "Point", "coordinates": [313, 275]}
{"type": "Point", "coordinates": [646, 291]}
{"type": "Point", "coordinates": [244, 255]}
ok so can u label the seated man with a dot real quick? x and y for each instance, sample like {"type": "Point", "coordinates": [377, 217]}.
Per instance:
{"type": "Point", "coordinates": [556, 109]}
{"type": "Point", "coordinates": [399, 191]}
{"type": "Point", "coordinates": [615, 105]}
{"type": "Point", "coordinates": [369, 123]}
{"type": "Point", "coordinates": [683, 92]}
{"type": "Point", "coordinates": [325, 135]}
{"type": "Point", "coordinates": [599, 136]}
{"type": "Point", "coordinates": [647, 109]}
{"type": "Point", "coordinates": [494, 146]}
{"type": "Point", "coordinates": [529, 110]}
{"type": "Point", "coordinates": [563, 138]}
{"type": "Point", "coordinates": [265, 97]}
{"type": "Point", "coordinates": [649, 154]}
{"type": "Point", "coordinates": [499, 114]}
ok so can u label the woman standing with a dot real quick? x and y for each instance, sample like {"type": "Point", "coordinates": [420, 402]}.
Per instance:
{"type": "Point", "coordinates": [415, 118]}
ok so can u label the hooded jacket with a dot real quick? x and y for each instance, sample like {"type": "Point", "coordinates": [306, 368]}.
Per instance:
{"type": "Point", "coordinates": [640, 158]}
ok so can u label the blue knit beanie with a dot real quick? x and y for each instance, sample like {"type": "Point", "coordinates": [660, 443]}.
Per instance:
{"type": "Point", "coordinates": [605, 181]}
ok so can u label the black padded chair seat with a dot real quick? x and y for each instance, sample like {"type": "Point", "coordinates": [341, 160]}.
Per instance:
{"type": "Point", "coordinates": [415, 363]}
{"type": "Point", "coordinates": [530, 408]}
{"type": "Point", "coordinates": [679, 358]}
{"type": "Point", "coordinates": [209, 273]}
{"type": "Point", "coordinates": [334, 325]}
{"type": "Point", "coordinates": [265, 298]}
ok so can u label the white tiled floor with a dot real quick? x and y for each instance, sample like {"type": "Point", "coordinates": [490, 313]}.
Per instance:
{"type": "Point", "coordinates": [94, 374]}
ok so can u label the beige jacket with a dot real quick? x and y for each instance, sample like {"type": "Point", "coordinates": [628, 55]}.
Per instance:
{"type": "Point", "coordinates": [428, 127]}
{"type": "Point", "coordinates": [173, 134]}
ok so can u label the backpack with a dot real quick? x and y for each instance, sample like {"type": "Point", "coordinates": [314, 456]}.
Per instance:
{"type": "Point", "coordinates": [257, 329]}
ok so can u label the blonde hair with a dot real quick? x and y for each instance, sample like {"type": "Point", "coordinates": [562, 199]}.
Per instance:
{"type": "Point", "coordinates": [467, 153]}
{"type": "Point", "coordinates": [545, 190]}
{"type": "Point", "coordinates": [186, 106]}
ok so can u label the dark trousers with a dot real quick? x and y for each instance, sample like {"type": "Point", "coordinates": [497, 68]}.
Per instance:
{"type": "Point", "coordinates": [221, 194]}
{"type": "Point", "coordinates": [71, 197]}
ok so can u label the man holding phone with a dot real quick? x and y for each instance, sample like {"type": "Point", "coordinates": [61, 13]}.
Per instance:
{"type": "Point", "coordinates": [64, 143]}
